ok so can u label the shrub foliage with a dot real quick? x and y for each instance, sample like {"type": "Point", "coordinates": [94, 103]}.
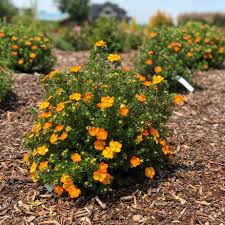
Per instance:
{"type": "Point", "coordinates": [27, 49]}
{"type": "Point", "coordinates": [99, 126]}
{"type": "Point", "coordinates": [178, 51]}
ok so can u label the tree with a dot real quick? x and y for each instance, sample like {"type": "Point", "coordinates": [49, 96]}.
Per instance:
{"type": "Point", "coordinates": [78, 10]}
{"type": "Point", "coordinates": [7, 9]}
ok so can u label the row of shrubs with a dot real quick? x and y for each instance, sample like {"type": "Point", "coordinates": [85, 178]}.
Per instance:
{"type": "Point", "coordinates": [103, 126]}
{"type": "Point", "coordinates": [217, 19]}
{"type": "Point", "coordinates": [120, 37]}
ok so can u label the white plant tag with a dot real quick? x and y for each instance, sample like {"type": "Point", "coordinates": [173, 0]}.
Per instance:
{"type": "Point", "coordinates": [50, 187]}
{"type": "Point", "coordinates": [185, 83]}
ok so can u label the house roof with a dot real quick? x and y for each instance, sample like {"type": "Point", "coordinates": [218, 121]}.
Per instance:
{"type": "Point", "coordinates": [96, 8]}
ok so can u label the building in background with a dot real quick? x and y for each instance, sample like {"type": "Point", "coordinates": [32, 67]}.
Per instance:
{"type": "Point", "coordinates": [108, 10]}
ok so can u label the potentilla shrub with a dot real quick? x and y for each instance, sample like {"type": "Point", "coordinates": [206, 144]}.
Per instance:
{"type": "Point", "coordinates": [162, 53]}
{"type": "Point", "coordinates": [108, 29]}
{"type": "Point", "coordinates": [5, 80]}
{"type": "Point", "coordinates": [206, 45]}
{"type": "Point", "coordinates": [99, 127]}
{"type": "Point", "coordinates": [28, 50]}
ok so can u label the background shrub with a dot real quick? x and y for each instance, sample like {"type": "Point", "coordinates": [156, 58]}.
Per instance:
{"type": "Point", "coordinates": [5, 80]}
{"type": "Point", "coordinates": [99, 126]}
{"type": "Point", "coordinates": [160, 19]}
{"type": "Point", "coordinates": [161, 54]}
{"type": "Point", "coordinates": [206, 43]}
{"type": "Point", "coordinates": [27, 49]}
{"type": "Point", "coordinates": [179, 51]}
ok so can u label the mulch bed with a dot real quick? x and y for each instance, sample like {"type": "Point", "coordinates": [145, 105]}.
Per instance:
{"type": "Point", "coordinates": [192, 193]}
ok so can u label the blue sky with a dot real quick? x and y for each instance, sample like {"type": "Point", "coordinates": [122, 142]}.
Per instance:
{"type": "Point", "coordinates": [143, 9]}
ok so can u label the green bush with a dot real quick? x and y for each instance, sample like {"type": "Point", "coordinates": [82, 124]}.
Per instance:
{"type": "Point", "coordinates": [5, 80]}
{"type": "Point", "coordinates": [99, 127]}
{"type": "Point", "coordinates": [161, 53]}
{"type": "Point", "coordinates": [27, 49]}
{"type": "Point", "coordinates": [107, 29]}
{"type": "Point", "coordinates": [206, 43]}
{"type": "Point", "coordinates": [179, 51]}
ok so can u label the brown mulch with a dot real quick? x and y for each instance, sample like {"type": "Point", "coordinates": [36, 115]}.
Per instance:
{"type": "Point", "coordinates": [193, 193]}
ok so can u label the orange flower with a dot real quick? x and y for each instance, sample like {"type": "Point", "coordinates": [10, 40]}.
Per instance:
{"type": "Point", "coordinates": [101, 134]}
{"type": "Point", "coordinates": [34, 47]}
{"type": "Point", "coordinates": [43, 166]}
{"type": "Point", "coordinates": [14, 53]}
{"type": "Point", "coordinates": [14, 46]}
{"type": "Point", "coordinates": [100, 44]}
{"type": "Point", "coordinates": [54, 138]}
{"type": "Point", "coordinates": [141, 98]}
{"type": "Point", "coordinates": [126, 68]}
{"type": "Point", "coordinates": [115, 146]}
{"type": "Point", "coordinates": [63, 136]}
{"type": "Point", "coordinates": [36, 128]}
{"type": "Point", "coordinates": [114, 58]}
{"type": "Point", "coordinates": [149, 62]}
{"type": "Point", "coordinates": [145, 133]}
{"type": "Point", "coordinates": [106, 181]}
{"type": "Point", "coordinates": [20, 61]}
{"type": "Point", "coordinates": [60, 107]}
{"type": "Point", "coordinates": [197, 39]}
{"type": "Point", "coordinates": [150, 52]}
{"type": "Point", "coordinates": [106, 102]}
{"type": "Point", "coordinates": [75, 69]}
{"type": "Point", "coordinates": [135, 161]}
{"type": "Point", "coordinates": [147, 83]}
{"type": "Point", "coordinates": [58, 190]}
{"type": "Point", "coordinates": [47, 125]}
{"type": "Point", "coordinates": [178, 99]}
{"type": "Point", "coordinates": [66, 179]}
{"type": "Point", "coordinates": [59, 128]}
{"type": "Point", "coordinates": [32, 55]}
{"type": "Point", "coordinates": [2, 34]}
{"type": "Point", "coordinates": [189, 54]}
{"type": "Point", "coordinates": [44, 105]}
{"type": "Point", "coordinates": [93, 131]}
{"type": "Point", "coordinates": [74, 192]}
{"type": "Point", "coordinates": [157, 79]}
{"type": "Point", "coordinates": [140, 77]}
{"type": "Point", "coordinates": [26, 157]}
{"type": "Point", "coordinates": [103, 167]}
{"type": "Point", "coordinates": [124, 110]}
{"type": "Point", "coordinates": [75, 96]}
{"type": "Point", "coordinates": [99, 145]}
{"type": "Point", "coordinates": [45, 115]}
{"type": "Point", "coordinates": [108, 153]}
{"type": "Point", "coordinates": [33, 167]}
{"type": "Point", "coordinates": [149, 172]}
{"type": "Point", "coordinates": [158, 69]}
{"type": "Point", "coordinates": [152, 34]}
{"type": "Point", "coordinates": [87, 97]}
{"type": "Point", "coordinates": [76, 157]}
{"type": "Point", "coordinates": [155, 134]}
{"type": "Point", "coordinates": [42, 150]}
{"type": "Point", "coordinates": [99, 176]}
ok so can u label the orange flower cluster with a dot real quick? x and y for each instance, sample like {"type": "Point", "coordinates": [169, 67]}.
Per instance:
{"type": "Point", "coordinates": [176, 46]}
{"type": "Point", "coordinates": [102, 175]}
{"type": "Point", "coordinates": [106, 102]}
{"type": "Point", "coordinates": [68, 185]}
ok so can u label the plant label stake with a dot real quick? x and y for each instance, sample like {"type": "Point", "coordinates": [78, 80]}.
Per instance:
{"type": "Point", "coordinates": [50, 187]}
{"type": "Point", "coordinates": [185, 83]}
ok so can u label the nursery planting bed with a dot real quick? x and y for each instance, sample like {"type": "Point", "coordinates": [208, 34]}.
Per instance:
{"type": "Point", "coordinates": [192, 193]}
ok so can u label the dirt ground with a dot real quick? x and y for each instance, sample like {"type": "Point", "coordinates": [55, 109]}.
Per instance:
{"type": "Point", "coordinates": [193, 193]}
